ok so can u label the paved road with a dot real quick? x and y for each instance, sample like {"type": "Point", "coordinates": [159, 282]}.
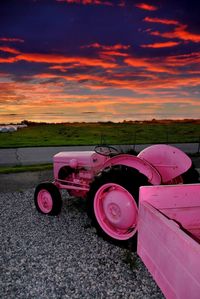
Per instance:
{"type": "Point", "coordinates": [37, 155]}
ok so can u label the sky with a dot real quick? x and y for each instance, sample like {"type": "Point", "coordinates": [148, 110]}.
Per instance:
{"type": "Point", "coordinates": [99, 60]}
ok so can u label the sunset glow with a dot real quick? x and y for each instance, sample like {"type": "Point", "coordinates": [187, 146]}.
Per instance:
{"type": "Point", "coordinates": [95, 60]}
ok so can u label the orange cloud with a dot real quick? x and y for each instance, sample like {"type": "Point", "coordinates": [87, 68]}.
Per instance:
{"type": "Point", "coordinates": [9, 50]}
{"type": "Point", "coordinates": [113, 53]}
{"type": "Point", "coordinates": [183, 59]}
{"type": "Point", "coordinates": [46, 76]}
{"type": "Point", "coordinates": [161, 21]}
{"type": "Point", "coordinates": [180, 32]}
{"type": "Point", "coordinates": [149, 64]}
{"type": "Point", "coordinates": [35, 99]}
{"type": "Point", "coordinates": [54, 59]}
{"type": "Point", "coordinates": [60, 68]}
{"type": "Point", "coordinates": [146, 6]}
{"type": "Point", "coordinates": [8, 60]}
{"type": "Point", "coordinates": [61, 59]}
{"type": "Point", "coordinates": [107, 48]}
{"type": "Point", "coordinates": [135, 81]}
{"type": "Point", "coordinates": [44, 97]}
{"type": "Point", "coordinates": [8, 39]}
{"type": "Point", "coordinates": [109, 51]}
{"type": "Point", "coordinates": [161, 45]}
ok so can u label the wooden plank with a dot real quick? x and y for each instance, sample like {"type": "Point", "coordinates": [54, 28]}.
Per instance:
{"type": "Point", "coordinates": [172, 196]}
{"type": "Point", "coordinates": [172, 257]}
{"type": "Point", "coordinates": [187, 217]}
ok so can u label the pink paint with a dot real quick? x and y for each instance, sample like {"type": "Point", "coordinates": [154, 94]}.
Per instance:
{"type": "Point", "coordinates": [168, 160]}
{"type": "Point", "coordinates": [116, 211]}
{"type": "Point", "coordinates": [76, 172]}
{"type": "Point", "coordinates": [45, 201]}
{"type": "Point", "coordinates": [159, 163]}
{"type": "Point", "coordinates": [141, 165]}
{"type": "Point", "coordinates": [168, 238]}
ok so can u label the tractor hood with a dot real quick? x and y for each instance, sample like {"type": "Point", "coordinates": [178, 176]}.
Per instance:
{"type": "Point", "coordinates": [79, 159]}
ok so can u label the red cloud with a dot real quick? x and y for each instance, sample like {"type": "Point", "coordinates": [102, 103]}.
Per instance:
{"type": "Point", "coordinates": [9, 50]}
{"type": "Point", "coordinates": [107, 48]}
{"type": "Point", "coordinates": [60, 68]}
{"type": "Point", "coordinates": [113, 53]}
{"type": "Point", "coordinates": [161, 45]}
{"type": "Point", "coordinates": [8, 39]}
{"type": "Point", "coordinates": [54, 59]}
{"type": "Point", "coordinates": [146, 6]}
{"type": "Point", "coordinates": [148, 64]}
{"type": "Point", "coordinates": [109, 51]}
{"type": "Point", "coordinates": [8, 60]}
{"type": "Point", "coordinates": [161, 21]}
{"type": "Point", "coordinates": [180, 32]}
{"type": "Point", "coordinates": [61, 59]}
{"type": "Point", "coordinates": [184, 59]}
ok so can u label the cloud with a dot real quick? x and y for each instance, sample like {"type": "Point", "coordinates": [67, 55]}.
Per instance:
{"type": "Point", "coordinates": [109, 51]}
{"type": "Point", "coordinates": [161, 45]}
{"type": "Point", "coordinates": [87, 2]}
{"type": "Point", "coordinates": [163, 86]}
{"type": "Point", "coordinates": [9, 50]}
{"type": "Point", "coordinates": [55, 59]}
{"type": "Point", "coordinates": [121, 3]}
{"type": "Point", "coordinates": [183, 60]}
{"type": "Point", "coordinates": [55, 99]}
{"type": "Point", "coordinates": [113, 53]}
{"type": "Point", "coordinates": [61, 59]}
{"type": "Point", "coordinates": [8, 60]}
{"type": "Point", "coordinates": [9, 40]}
{"type": "Point", "coordinates": [60, 68]}
{"type": "Point", "coordinates": [161, 21]}
{"type": "Point", "coordinates": [149, 64]}
{"type": "Point", "coordinates": [179, 32]}
{"type": "Point", "coordinates": [146, 6]}
{"type": "Point", "coordinates": [106, 47]}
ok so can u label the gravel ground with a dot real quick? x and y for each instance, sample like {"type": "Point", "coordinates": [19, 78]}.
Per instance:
{"type": "Point", "coordinates": [62, 257]}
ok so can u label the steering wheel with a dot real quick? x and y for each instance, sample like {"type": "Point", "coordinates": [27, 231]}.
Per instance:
{"type": "Point", "coordinates": [106, 150]}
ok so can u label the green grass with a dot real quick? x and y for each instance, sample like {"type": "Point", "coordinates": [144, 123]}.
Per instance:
{"type": "Point", "coordinates": [95, 133]}
{"type": "Point", "coordinates": [16, 169]}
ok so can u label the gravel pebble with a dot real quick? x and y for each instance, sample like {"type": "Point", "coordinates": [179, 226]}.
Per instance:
{"type": "Point", "coordinates": [62, 257]}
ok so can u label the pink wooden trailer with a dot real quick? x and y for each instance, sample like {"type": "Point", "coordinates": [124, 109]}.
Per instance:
{"type": "Point", "coordinates": [169, 238]}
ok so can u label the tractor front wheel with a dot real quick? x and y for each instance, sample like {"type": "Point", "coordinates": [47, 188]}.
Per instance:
{"type": "Point", "coordinates": [48, 199]}
{"type": "Point", "coordinates": [112, 202]}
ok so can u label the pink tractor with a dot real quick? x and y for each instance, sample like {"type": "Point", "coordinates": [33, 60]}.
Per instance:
{"type": "Point", "coordinates": [109, 181]}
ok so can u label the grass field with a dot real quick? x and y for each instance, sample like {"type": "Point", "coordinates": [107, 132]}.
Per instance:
{"type": "Point", "coordinates": [96, 133]}
{"type": "Point", "coordinates": [24, 168]}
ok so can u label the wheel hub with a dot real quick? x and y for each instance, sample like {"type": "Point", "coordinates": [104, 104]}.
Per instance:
{"type": "Point", "coordinates": [119, 208]}
{"type": "Point", "coordinates": [45, 202]}
{"type": "Point", "coordinates": [116, 211]}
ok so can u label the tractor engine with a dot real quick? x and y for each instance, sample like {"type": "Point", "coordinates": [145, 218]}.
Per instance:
{"type": "Point", "coordinates": [76, 170]}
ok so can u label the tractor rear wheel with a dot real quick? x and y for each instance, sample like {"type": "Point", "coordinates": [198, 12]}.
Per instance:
{"type": "Point", "coordinates": [112, 202]}
{"type": "Point", "coordinates": [48, 199]}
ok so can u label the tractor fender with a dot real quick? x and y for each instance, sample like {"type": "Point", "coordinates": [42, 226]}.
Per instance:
{"type": "Point", "coordinates": [135, 162]}
{"type": "Point", "coordinates": [168, 160]}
